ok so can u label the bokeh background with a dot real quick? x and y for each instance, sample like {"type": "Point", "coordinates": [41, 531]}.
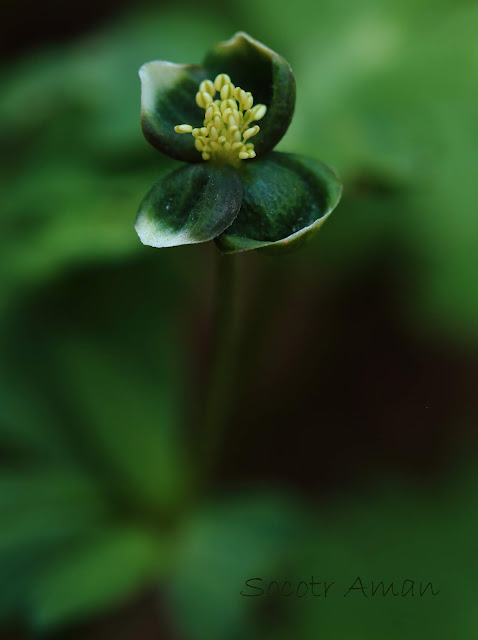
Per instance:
{"type": "Point", "coordinates": [351, 448]}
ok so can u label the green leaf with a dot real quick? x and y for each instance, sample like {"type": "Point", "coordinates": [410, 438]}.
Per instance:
{"type": "Point", "coordinates": [28, 423]}
{"type": "Point", "coordinates": [286, 199]}
{"type": "Point", "coordinates": [37, 487]}
{"type": "Point", "coordinates": [130, 421]}
{"type": "Point", "coordinates": [168, 98]}
{"type": "Point", "coordinates": [96, 574]}
{"type": "Point", "coordinates": [222, 546]}
{"type": "Point", "coordinates": [192, 204]}
{"type": "Point", "coordinates": [256, 68]}
{"type": "Point", "coordinates": [42, 512]}
{"type": "Point", "coordinates": [17, 572]}
{"type": "Point", "coordinates": [41, 528]}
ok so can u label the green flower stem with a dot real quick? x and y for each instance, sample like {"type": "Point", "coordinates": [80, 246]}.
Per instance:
{"type": "Point", "coordinates": [222, 372]}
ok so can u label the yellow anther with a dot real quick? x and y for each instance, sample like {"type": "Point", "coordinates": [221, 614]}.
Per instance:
{"type": "Point", "coordinates": [230, 103]}
{"type": "Point", "coordinates": [183, 128]}
{"type": "Point", "coordinates": [250, 132]}
{"type": "Point", "coordinates": [203, 99]}
{"type": "Point", "coordinates": [227, 91]}
{"type": "Point", "coordinates": [259, 111]}
{"type": "Point", "coordinates": [248, 117]}
{"type": "Point", "coordinates": [227, 121]}
{"type": "Point", "coordinates": [207, 86]}
{"type": "Point", "coordinates": [248, 103]}
{"type": "Point", "coordinates": [221, 80]}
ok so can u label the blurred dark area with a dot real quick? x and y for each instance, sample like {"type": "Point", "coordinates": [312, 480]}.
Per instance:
{"type": "Point", "coordinates": [351, 441]}
{"type": "Point", "coordinates": [50, 23]}
{"type": "Point", "coordinates": [373, 398]}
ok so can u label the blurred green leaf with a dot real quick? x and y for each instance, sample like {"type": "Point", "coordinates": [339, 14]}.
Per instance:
{"type": "Point", "coordinates": [94, 575]}
{"type": "Point", "coordinates": [131, 420]}
{"type": "Point", "coordinates": [28, 425]}
{"type": "Point", "coordinates": [36, 487]}
{"type": "Point", "coordinates": [46, 524]}
{"type": "Point", "coordinates": [392, 536]}
{"type": "Point", "coordinates": [219, 548]}
{"type": "Point", "coordinates": [42, 511]}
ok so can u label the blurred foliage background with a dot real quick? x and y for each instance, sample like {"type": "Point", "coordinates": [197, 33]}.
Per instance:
{"type": "Point", "coordinates": [351, 444]}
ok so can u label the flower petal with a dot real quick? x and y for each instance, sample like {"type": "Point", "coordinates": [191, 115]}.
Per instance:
{"type": "Point", "coordinates": [286, 198]}
{"type": "Point", "coordinates": [256, 68]}
{"type": "Point", "coordinates": [192, 204]}
{"type": "Point", "coordinates": [168, 98]}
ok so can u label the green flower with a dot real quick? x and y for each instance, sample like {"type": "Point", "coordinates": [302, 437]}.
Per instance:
{"type": "Point", "coordinates": [234, 189]}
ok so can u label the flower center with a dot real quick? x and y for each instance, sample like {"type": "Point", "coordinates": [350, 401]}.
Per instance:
{"type": "Point", "coordinates": [227, 123]}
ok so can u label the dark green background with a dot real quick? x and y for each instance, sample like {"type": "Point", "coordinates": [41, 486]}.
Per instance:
{"type": "Point", "coordinates": [350, 448]}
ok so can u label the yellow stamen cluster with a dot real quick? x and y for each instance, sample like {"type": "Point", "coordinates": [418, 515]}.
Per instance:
{"type": "Point", "coordinates": [227, 123]}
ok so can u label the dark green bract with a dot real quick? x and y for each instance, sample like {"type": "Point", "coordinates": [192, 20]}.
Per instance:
{"type": "Point", "coordinates": [286, 198]}
{"type": "Point", "coordinates": [272, 202]}
{"type": "Point", "coordinates": [192, 204]}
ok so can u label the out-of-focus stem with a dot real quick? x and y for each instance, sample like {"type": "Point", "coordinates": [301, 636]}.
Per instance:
{"type": "Point", "coordinates": [223, 362]}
